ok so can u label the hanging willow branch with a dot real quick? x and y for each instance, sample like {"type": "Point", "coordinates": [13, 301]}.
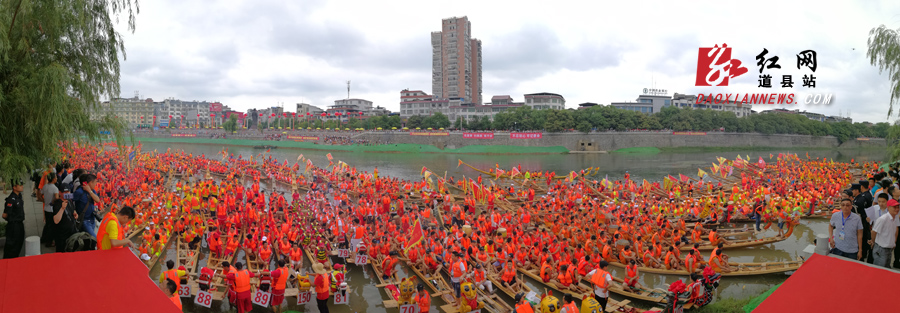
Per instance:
{"type": "Point", "coordinates": [58, 59]}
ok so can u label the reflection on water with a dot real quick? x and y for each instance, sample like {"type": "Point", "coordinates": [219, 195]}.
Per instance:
{"type": "Point", "coordinates": [365, 297]}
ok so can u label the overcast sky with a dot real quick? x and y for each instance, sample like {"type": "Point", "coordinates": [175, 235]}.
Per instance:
{"type": "Point", "coordinates": [249, 54]}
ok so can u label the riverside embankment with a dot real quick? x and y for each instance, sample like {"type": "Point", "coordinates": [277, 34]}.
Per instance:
{"type": "Point", "coordinates": [513, 143]}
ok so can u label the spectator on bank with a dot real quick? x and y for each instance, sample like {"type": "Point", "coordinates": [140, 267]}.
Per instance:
{"type": "Point", "coordinates": [50, 193]}
{"type": "Point", "coordinates": [884, 235]}
{"type": "Point", "coordinates": [64, 218]}
{"type": "Point", "coordinates": [111, 234]}
{"type": "Point", "coordinates": [85, 200]}
{"type": "Point", "coordinates": [845, 232]}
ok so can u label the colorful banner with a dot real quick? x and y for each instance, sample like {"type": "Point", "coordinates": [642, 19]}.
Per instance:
{"type": "Point", "coordinates": [429, 133]}
{"type": "Point", "coordinates": [184, 135]}
{"type": "Point", "coordinates": [303, 137]}
{"type": "Point", "coordinates": [526, 135]}
{"type": "Point", "coordinates": [690, 133]}
{"type": "Point", "coordinates": [478, 135]}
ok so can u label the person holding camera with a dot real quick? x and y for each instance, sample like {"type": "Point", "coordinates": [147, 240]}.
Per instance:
{"type": "Point", "coordinates": [64, 218]}
{"type": "Point", "coordinates": [85, 198]}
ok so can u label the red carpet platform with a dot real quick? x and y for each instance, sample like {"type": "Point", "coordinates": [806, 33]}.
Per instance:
{"type": "Point", "coordinates": [92, 281]}
{"type": "Point", "coordinates": [835, 284]}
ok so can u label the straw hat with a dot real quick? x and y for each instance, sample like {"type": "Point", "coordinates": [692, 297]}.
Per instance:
{"type": "Point", "coordinates": [319, 268]}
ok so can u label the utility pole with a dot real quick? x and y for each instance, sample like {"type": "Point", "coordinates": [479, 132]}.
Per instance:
{"type": "Point", "coordinates": [348, 89]}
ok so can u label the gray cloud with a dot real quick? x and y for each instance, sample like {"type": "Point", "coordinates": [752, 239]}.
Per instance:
{"type": "Point", "coordinates": [678, 55]}
{"type": "Point", "coordinates": [535, 50]}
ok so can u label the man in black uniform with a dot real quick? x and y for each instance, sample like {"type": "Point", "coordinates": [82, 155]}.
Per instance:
{"type": "Point", "coordinates": [859, 204]}
{"type": "Point", "coordinates": [14, 214]}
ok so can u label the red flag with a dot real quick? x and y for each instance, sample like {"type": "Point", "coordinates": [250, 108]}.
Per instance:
{"type": "Point", "coordinates": [423, 170]}
{"type": "Point", "coordinates": [684, 178]}
{"type": "Point", "coordinates": [416, 237]}
{"type": "Point", "coordinates": [762, 163]}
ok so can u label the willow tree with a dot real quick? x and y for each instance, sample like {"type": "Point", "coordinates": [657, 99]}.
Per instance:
{"type": "Point", "coordinates": [884, 52]}
{"type": "Point", "coordinates": [58, 60]}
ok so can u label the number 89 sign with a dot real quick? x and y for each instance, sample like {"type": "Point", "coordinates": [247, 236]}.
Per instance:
{"type": "Point", "coordinates": [261, 298]}
{"type": "Point", "coordinates": [203, 299]}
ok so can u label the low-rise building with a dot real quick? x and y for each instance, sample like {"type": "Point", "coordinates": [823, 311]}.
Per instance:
{"type": "Point", "coordinates": [653, 102]}
{"type": "Point", "coordinates": [545, 101]}
{"type": "Point", "coordinates": [135, 112]}
{"type": "Point", "coordinates": [305, 109]}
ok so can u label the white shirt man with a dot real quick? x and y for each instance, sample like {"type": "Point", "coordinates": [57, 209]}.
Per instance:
{"type": "Point", "coordinates": [884, 235]}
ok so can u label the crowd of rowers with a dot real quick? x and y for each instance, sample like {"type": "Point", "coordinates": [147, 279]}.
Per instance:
{"type": "Point", "coordinates": [484, 235]}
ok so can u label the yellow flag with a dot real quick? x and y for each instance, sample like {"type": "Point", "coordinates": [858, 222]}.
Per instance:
{"type": "Point", "coordinates": [701, 173]}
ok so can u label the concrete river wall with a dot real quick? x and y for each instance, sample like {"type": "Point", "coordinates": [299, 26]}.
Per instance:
{"type": "Point", "coordinates": [602, 141]}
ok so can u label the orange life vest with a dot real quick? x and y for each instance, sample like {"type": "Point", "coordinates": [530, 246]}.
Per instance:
{"type": "Point", "coordinates": [508, 274]}
{"type": "Point", "coordinates": [458, 269]}
{"type": "Point", "coordinates": [599, 279]}
{"type": "Point", "coordinates": [242, 281]}
{"type": "Point", "coordinates": [102, 231]}
{"type": "Point", "coordinates": [631, 271]}
{"type": "Point", "coordinates": [565, 278]}
{"type": "Point", "coordinates": [177, 300]}
{"type": "Point", "coordinates": [173, 275]}
{"type": "Point", "coordinates": [326, 288]}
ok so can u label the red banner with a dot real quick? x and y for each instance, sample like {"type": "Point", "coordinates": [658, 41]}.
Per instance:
{"type": "Point", "coordinates": [184, 135]}
{"type": "Point", "coordinates": [690, 133]}
{"type": "Point", "coordinates": [429, 133]}
{"type": "Point", "coordinates": [526, 135]}
{"type": "Point", "coordinates": [303, 137]}
{"type": "Point", "coordinates": [478, 135]}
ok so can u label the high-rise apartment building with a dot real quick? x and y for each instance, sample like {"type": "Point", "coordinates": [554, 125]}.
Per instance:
{"type": "Point", "coordinates": [456, 61]}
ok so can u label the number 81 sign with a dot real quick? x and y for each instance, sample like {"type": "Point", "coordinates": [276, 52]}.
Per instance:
{"type": "Point", "coordinates": [341, 298]}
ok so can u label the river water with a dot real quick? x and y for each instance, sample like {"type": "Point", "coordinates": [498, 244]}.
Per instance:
{"type": "Point", "coordinates": [365, 297]}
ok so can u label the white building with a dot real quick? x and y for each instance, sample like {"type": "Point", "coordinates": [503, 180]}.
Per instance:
{"type": "Point", "coordinates": [191, 112]}
{"type": "Point", "coordinates": [653, 100]}
{"type": "Point", "coordinates": [133, 111]}
{"type": "Point", "coordinates": [304, 108]}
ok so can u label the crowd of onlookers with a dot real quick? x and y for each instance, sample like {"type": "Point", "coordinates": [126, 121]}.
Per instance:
{"type": "Point", "coordinates": [865, 227]}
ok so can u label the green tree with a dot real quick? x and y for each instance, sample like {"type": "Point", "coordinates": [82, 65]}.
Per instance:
{"type": "Point", "coordinates": [57, 60]}
{"type": "Point", "coordinates": [415, 121]}
{"type": "Point", "coordinates": [394, 122]}
{"type": "Point", "coordinates": [884, 52]}
{"type": "Point", "coordinates": [231, 124]}
{"type": "Point", "coordinates": [584, 127]}
{"type": "Point", "coordinates": [558, 120]}
{"type": "Point", "coordinates": [460, 123]}
{"type": "Point", "coordinates": [436, 121]}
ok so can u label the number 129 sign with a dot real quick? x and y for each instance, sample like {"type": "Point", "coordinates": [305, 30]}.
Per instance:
{"type": "Point", "coordinates": [203, 298]}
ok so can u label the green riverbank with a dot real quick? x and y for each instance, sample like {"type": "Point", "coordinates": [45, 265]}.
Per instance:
{"type": "Point", "coordinates": [386, 148]}
{"type": "Point", "coordinates": [654, 150]}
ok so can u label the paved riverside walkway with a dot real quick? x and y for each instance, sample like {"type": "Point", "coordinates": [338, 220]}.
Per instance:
{"type": "Point", "coordinates": [34, 218]}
